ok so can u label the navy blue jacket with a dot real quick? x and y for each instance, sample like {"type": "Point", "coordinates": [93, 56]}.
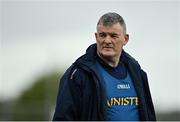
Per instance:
{"type": "Point", "coordinates": [81, 93]}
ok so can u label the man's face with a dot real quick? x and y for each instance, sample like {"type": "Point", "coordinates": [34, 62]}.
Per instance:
{"type": "Point", "coordinates": [110, 40]}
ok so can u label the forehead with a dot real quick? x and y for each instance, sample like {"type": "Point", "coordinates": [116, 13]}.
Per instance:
{"type": "Point", "coordinates": [115, 28]}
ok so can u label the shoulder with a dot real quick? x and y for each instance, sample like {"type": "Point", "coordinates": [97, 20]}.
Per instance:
{"type": "Point", "coordinates": [75, 75]}
{"type": "Point", "coordinates": [132, 62]}
{"type": "Point", "coordinates": [129, 59]}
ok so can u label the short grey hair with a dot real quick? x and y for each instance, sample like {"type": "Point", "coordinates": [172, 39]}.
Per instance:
{"type": "Point", "coordinates": [112, 18]}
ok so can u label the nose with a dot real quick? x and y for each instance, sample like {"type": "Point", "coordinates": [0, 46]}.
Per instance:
{"type": "Point", "coordinates": [107, 39]}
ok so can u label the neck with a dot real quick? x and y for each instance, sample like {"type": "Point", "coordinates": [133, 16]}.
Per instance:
{"type": "Point", "coordinates": [111, 61]}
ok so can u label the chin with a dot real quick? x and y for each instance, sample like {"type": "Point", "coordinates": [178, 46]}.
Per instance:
{"type": "Point", "coordinates": [107, 54]}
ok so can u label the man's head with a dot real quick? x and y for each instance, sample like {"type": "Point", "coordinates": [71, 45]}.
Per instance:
{"type": "Point", "coordinates": [111, 35]}
{"type": "Point", "coordinates": [111, 18]}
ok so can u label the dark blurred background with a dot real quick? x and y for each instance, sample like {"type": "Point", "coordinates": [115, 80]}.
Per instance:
{"type": "Point", "coordinates": [40, 39]}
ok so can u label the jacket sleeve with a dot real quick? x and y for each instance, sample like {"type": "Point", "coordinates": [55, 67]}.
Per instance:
{"type": "Point", "coordinates": [69, 97]}
{"type": "Point", "coordinates": [151, 111]}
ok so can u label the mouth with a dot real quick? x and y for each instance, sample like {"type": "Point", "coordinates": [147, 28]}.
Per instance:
{"type": "Point", "coordinates": [108, 47]}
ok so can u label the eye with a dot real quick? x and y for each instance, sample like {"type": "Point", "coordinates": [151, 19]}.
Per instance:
{"type": "Point", "coordinates": [114, 36]}
{"type": "Point", "coordinates": [102, 35]}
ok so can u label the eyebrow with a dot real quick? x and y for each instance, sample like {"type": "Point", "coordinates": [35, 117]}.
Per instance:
{"type": "Point", "coordinates": [109, 33]}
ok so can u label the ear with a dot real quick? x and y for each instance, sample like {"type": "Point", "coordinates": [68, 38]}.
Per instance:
{"type": "Point", "coordinates": [126, 39]}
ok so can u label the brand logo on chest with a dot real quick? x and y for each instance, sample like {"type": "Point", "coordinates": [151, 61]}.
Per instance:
{"type": "Point", "coordinates": [123, 86]}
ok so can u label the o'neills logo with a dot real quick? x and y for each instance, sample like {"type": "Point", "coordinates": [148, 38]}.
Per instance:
{"type": "Point", "coordinates": [124, 101]}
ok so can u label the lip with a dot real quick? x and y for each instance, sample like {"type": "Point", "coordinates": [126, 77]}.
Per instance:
{"type": "Point", "coordinates": [107, 47]}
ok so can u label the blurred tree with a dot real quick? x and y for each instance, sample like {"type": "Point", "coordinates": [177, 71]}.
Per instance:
{"type": "Point", "coordinates": [37, 102]}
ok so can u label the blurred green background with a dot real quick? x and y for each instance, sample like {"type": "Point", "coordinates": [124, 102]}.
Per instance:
{"type": "Point", "coordinates": [35, 103]}
{"type": "Point", "coordinates": [38, 102]}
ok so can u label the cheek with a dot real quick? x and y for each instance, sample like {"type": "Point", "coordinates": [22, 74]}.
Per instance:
{"type": "Point", "coordinates": [121, 41]}
{"type": "Point", "coordinates": [119, 44]}
{"type": "Point", "coordinates": [118, 47]}
{"type": "Point", "coordinates": [99, 43]}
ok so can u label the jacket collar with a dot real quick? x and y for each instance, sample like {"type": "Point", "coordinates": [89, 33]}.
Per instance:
{"type": "Point", "coordinates": [91, 56]}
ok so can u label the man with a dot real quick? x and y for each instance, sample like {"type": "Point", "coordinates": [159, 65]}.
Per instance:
{"type": "Point", "coordinates": [106, 83]}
